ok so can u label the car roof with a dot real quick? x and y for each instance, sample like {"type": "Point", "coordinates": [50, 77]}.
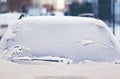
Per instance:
{"type": "Point", "coordinates": [59, 19]}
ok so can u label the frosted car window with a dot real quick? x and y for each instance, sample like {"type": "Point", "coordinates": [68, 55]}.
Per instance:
{"type": "Point", "coordinates": [80, 41]}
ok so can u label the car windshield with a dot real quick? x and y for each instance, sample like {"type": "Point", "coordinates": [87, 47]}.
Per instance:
{"type": "Point", "coordinates": [76, 41]}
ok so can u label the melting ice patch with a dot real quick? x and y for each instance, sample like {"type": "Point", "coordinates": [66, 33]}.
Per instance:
{"type": "Point", "coordinates": [87, 42]}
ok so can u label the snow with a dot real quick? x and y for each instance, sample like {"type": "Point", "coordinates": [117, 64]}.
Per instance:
{"type": "Point", "coordinates": [10, 35]}
{"type": "Point", "coordinates": [18, 58]}
{"type": "Point", "coordinates": [7, 18]}
{"type": "Point", "coordinates": [13, 51]}
{"type": "Point", "coordinates": [87, 42]}
{"type": "Point", "coordinates": [117, 62]}
{"type": "Point", "coordinates": [2, 31]}
{"type": "Point", "coordinates": [75, 38]}
{"type": "Point", "coordinates": [41, 60]}
{"type": "Point", "coordinates": [10, 70]}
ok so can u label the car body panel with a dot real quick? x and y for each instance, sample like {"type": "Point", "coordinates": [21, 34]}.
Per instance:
{"type": "Point", "coordinates": [59, 71]}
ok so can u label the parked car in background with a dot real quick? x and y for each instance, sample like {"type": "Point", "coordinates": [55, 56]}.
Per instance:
{"type": "Point", "coordinates": [53, 47]}
{"type": "Point", "coordinates": [6, 20]}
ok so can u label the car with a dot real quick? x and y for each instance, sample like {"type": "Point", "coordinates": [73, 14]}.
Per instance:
{"type": "Point", "coordinates": [58, 47]}
{"type": "Point", "coordinates": [6, 20]}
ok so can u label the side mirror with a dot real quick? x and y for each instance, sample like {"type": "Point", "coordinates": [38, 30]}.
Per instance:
{"type": "Point", "coordinates": [21, 16]}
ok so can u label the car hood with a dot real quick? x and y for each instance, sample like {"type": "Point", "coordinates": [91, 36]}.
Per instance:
{"type": "Point", "coordinates": [59, 71]}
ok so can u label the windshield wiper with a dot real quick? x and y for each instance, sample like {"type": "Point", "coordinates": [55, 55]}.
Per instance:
{"type": "Point", "coordinates": [46, 59]}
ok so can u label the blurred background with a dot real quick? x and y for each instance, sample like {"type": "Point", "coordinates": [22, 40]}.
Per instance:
{"type": "Point", "coordinates": [107, 10]}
